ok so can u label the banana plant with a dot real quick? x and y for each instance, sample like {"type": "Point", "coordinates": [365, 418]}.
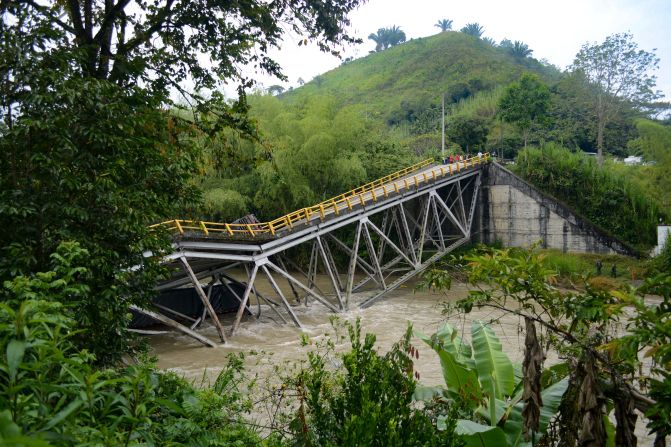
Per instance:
{"type": "Point", "coordinates": [482, 378]}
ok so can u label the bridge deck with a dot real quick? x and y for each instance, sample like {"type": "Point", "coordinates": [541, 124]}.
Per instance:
{"type": "Point", "coordinates": [395, 184]}
{"type": "Point", "coordinates": [426, 204]}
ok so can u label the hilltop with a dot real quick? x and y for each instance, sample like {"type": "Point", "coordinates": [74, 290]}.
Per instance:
{"type": "Point", "coordinates": [397, 84]}
{"type": "Point", "coordinates": [380, 113]}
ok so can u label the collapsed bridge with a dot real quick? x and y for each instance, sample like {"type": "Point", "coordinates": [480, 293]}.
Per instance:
{"type": "Point", "coordinates": [390, 230]}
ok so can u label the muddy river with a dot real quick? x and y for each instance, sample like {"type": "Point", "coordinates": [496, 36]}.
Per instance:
{"type": "Point", "coordinates": [275, 342]}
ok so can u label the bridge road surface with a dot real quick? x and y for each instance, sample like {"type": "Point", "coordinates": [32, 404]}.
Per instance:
{"type": "Point", "coordinates": [398, 186]}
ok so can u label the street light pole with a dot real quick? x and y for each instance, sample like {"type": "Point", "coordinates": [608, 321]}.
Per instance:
{"type": "Point", "coordinates": [442, 147]}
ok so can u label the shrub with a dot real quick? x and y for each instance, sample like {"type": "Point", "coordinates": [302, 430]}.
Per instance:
{"type": "Point", "coordinates": [53, 394]}
{"type": "Point", "coordinates": [611, 201]}
{"type": "Point", "coordinates": [369, 403]}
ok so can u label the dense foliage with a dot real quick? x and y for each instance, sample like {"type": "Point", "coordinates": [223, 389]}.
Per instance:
{"type": "Point", "coordinates": [654, 144]}
{"type": "Point", "coordinates": [369, 402]}
{"type": "Point", "coordinates": [598, 335]}
{"type": "Point", "coordinates": [87, 161]}
{"type": "Point", "coordinates": [308, 152]}
{"type": "Point", "coordinates": [525, 104]}
{"type": "Point", "coordinates": [52, 393]}
{"type": "Point", "coordinates": [609, 200]}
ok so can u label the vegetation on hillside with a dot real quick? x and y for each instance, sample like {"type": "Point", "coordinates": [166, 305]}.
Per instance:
{"type": "Point", "coordinates": [654, 144]}
{"type": "Point", "coordinates": [609, 200]}
{"type": "Point", "coordinates": [308, 153]}
{"type": "Point", "coordinates": [397, 85]}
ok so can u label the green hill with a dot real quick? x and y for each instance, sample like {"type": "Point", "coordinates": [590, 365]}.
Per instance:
{"type": "Point", "coordinates": [399, 83]}
{"type": "Point", "coordinates": [379, 113]}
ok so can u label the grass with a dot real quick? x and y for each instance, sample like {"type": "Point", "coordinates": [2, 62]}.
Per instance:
{"type": "Point", "coordinates": [412, 76]}
{"type": "Point", "coordinates": [614, 202]}
{"type": "Point", "coordinates": [572, 265]}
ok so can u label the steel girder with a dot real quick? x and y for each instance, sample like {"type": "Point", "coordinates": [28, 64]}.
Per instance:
{"type": "Point", "coordinates": [385, 244]}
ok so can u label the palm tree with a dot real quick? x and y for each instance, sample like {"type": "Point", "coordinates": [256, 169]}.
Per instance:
{"type": "Point", "coordinates": [444, 25]}
{"type": "Point", "coordinates": [379, 38]}
{"type": "Point", "coordinates": [395, 35]}
{"type": "Point", "coordinates": [473, 29]}
{"type": "Point", "coordinates": [506, 43]}
{"type": "Point", "coordinates": [387, 37]}
{"type": "Point", "coordinates": [489, 40]}
{"type": "Point", "coordinates": [520, 49]}
{"type": "Point", "coordinates": [275, 90]}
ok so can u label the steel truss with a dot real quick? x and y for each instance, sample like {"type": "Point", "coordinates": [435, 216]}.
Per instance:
{"type": "Point", "coordinates": [386, 243]}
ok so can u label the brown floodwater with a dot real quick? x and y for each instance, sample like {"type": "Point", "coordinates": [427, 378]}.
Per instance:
{"type": "Point", "coordinates": [268, 342]}
{"type": "Point", "coordinates": [273, 342]}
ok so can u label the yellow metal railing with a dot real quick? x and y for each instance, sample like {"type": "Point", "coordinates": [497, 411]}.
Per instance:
{"type": "Point", "coordinates": [373, 191]}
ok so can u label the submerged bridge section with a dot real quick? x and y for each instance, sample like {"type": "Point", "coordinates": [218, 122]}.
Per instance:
{"type": "Point", "coordinates": [389, 230]}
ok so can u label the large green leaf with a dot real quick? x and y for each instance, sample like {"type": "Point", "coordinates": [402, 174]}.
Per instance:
{"type": "Point", "coordinates": [15, 351]}
{"type": "Point", "coordinates": [460, 379]}
{"type": "Point", "coordinates": [478, 435]}
{"type": "Point", "coordinates": [448, 337]}
{"type": "Point", "coordinates": [494, 368]}
{"type": "Point", "coordinates": [485, 412]}
{"type": "Point", "coordinates": [551, 399]}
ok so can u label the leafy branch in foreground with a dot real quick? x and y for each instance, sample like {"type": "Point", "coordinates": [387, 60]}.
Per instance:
{"type": "Point", "coordinates": [53, 394]}
{"type": "Point", "coordinates": [598, 333]}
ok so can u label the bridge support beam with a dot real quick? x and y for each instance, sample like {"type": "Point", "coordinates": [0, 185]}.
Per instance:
{"type": "Point", "coordinates": [389, 237]}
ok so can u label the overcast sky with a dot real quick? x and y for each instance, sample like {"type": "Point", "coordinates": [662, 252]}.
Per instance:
{"type": "Point", "coordinates": [553, 30]}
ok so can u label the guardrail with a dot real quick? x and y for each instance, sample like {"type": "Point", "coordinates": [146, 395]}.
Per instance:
{"type": "Point", "coordinates": [343, 202]}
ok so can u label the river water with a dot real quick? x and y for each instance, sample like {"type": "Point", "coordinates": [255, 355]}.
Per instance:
{"type": "Point", "coordinates": [273, 342]}
{"type": "Point", "coordinates": [269, 343]}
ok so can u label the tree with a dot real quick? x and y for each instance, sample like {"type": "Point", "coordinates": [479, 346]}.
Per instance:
{"type": "Point", "coordinates": [395, 36]}
{"type": "Point", "coordinates": [387, 37]}
{"type": "Point", "coordinates": [93, 149]}
{"type": "Point", "coordinates": [525, 103]}
{"type": "Point", "coordinates": [467, 132]}
{"type": "Point", "coordinates": [444, 25]}
{"type": "Point", "coordinates": [506, 43]}
{"type": "Point", "coordinates": [275, 90]}
{"type": "Point", "coordinates": [520, 50]}
{"type": "Point", "coordinates": [473, 29]}
{"type": "Point", "coordinates": [160, 44]}
{"type": "Point", "coordinates": [379, 38]}
{"type": "Point", "coordinates": [621, 74]}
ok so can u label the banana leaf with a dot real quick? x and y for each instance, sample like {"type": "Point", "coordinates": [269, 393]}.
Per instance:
{"type": "Point", "coordinates": [551, 399]}
{"type": "Point", "coordinates": [461, 381]}
{"type": "Point", "coordinates": [494, 368]}
{"type": "Point", "coordinates": [478, 435]}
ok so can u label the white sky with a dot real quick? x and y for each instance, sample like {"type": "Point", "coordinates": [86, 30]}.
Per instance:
{"type": "Point", "coordinates": [554, 30]}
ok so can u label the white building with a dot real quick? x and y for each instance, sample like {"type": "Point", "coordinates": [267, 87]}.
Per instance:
{"type": "Point", "coordinates": [633, 160]}
{"type": "Point", "coordinates": [663, 232]}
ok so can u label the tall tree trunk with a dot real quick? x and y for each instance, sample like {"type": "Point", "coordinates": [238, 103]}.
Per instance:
{"type": "Point", "coordinates": [600, 127]}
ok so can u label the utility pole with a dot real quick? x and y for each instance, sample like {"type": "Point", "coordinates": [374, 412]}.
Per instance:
{"type": "Point", "coordinates": [442, 147]}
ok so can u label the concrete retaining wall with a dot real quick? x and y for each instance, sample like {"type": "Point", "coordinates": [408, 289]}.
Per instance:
{"type": "Point", "coordinates": [512, 211]}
